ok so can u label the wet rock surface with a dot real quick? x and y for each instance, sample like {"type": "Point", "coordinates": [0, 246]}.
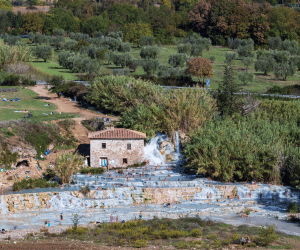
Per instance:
{"type": "Point", "coordinates": [157, 190]}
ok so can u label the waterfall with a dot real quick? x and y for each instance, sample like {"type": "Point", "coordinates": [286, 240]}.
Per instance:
{"type": "Point", "coordinates": [177, 143]}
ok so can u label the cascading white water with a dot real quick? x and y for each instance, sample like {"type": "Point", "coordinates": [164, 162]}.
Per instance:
{"type": "Point", "coordinates": [151, 150]}
{"type": "Point", "coordinates": [177, 142]}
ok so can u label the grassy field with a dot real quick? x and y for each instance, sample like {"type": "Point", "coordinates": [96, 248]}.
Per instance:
{"type": "Point", "coordinates": [183, 233]}
{"type": "Point", "coordinates": [28, 101]}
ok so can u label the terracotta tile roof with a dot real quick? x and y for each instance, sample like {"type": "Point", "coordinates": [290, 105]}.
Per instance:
{"type": "Point", "coordinates": [117, 133]}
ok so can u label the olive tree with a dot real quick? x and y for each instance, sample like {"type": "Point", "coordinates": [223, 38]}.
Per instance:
{"type": "Point", "coordinates": [149, 52]}
{"type": "Point", "coordinates": [43, 51]}
{"type": "Point", "coordinates": [177, 60]}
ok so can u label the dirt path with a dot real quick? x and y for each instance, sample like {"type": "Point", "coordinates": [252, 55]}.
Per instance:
{"type": "Point", "coordinates": [66, 106]}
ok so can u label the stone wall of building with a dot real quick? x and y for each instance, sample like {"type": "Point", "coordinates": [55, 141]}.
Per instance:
{"type": "Point", "coordinates": [115, 151]}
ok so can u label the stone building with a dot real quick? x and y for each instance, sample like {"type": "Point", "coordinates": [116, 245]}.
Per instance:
{"type": "Point", "coordinates": [116, 148]}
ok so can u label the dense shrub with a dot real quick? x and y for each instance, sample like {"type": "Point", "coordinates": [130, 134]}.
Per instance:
{"type": "Point", "coordinates": [148, 108]}
{"type": "Point", "coordinates": [266, 235]}
{"type": "Point", "coordinates": [92, 171]}
{"type": "Point", "coordinates": [32, 184]}
{"type": "Point", "coordinates": [11, 80]}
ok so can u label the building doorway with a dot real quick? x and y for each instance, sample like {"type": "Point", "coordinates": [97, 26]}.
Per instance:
{"type": "Point", "coordinates": [103, 162]}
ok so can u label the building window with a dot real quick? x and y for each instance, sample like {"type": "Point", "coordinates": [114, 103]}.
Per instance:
{"type": "Point", "coordinates": [129, 146]}
{"type": "Point", "coordinates": [103, 145]}
{"type": "Point", "coordinates": [124, 160]}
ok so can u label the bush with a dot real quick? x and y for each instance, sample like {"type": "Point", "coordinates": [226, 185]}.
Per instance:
{"type": "Point", "coordinates": [293, 207]}
{"type": "Point", "coordinates": [32, 184]}
{"type": "Point", "coordinates": [28, 82]}
{"type": "Point", "coordinates": [140, 243]}
{"type": "Point", "coordinates": [212, 58]}
{"type": "Point", "coordinates": [85, 190]}
{"type": "Point", "coordinates": [149, 52]}
{"type": "Point", "coordinates": [196, 232]}
{"type": "Point", "coordinates": [49, 174]}
{"type": "Point", "coordinates": [266, 235]}
{"type": "Point", "coordinates": [116, 34]}
{"type": "Point", "coordinates": [11, 80]}
{"type": "Point", "coordinates": [92, 171]}
{"type": "Point", "coordinates": [7, 157]}
{"type": "Point", "coordinates": [147, 41]}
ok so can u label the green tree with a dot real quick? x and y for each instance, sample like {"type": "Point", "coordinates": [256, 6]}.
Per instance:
{"type": "Point", "coordinates": [96, 23]}
{"type": "Point", "coordinates": [149, 52]}
{"type": "Point", "coordinates": [43, 51]}
{"type": "Point", "coordinates": [228, 101]}
{"type": "Point", "coordinates": [32, 22]}
{"type": "Point", "coordinates": [134, 31]}
{"type": "Point", "coordinates": [124, 13]}
{"type": "Point", "coordinates": [66, 165]}
{"type": "Point", "coordinates": [177, 60]}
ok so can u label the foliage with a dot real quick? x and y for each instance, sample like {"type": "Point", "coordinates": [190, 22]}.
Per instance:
{"type": "Point", "coordinates": [96, 23]}
{"type": "Point", "coordinates": [293, 207]}
{"type": "Point", "coordinates": [92, 171]}
{"type": "Point", "coordinates": [66, 165]}
{"type": "Point", "coordinates": [147, 41]}
{"type": "Point", "coordinates": [150, 66]}
{"type": "Point", "coordinates": [145, 110]}
{"type": "Point", "coordinates": [49, 174]}
{"type": "Point", "coordinates": [228, 102]}
{"type": "Point", "coordinates": [43, 51]}
{"type": "Point", "coordinates": [246, 77]}
{"type": "Point", "coordinates": [266, 235]}
{"type": "Point", "coordinates": [7, 157]}
{"type": "Point", "coordinates": [197, 49]}
{"type": "Point", "coordinates": [122, 59]}
{"type": "Point", "coordinates": [177, 60]}
{"type": "Point", "coordinates": [5, 5]}
{"type": "Point", "coordinates": [124, 47]}
{"type": "Point", "coordinates": [275, 43]}
{"type": "Point", "coordinates": [185, 48]}
{"type": "Point", "coordinates": [85, 190]}
{"type": "Point", "coordinates": [246, 48]}
{"type": "Point", "coordinates": [233, 43]}
{"type": "Point", "coordinates": [230, 57]}
{"type": "Point", "coordinates": [12, 40]}
{"type": "Point", "coordinates": [149, 52]}
{"type": "Point", "coordinates": [32, 22]}
{"type": "Point", "coordinates": [11, 80]}
{"type": "Point", "coordinates": [199, 67]}
{"type": "Point", "coordinates": [10, 55]}
{"type": "Point", "coordinates": [32, 184]}
{"type": "Point", "coordinates": [75, 220]}
{"type": "Point", "coordinates": [133, 32]}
